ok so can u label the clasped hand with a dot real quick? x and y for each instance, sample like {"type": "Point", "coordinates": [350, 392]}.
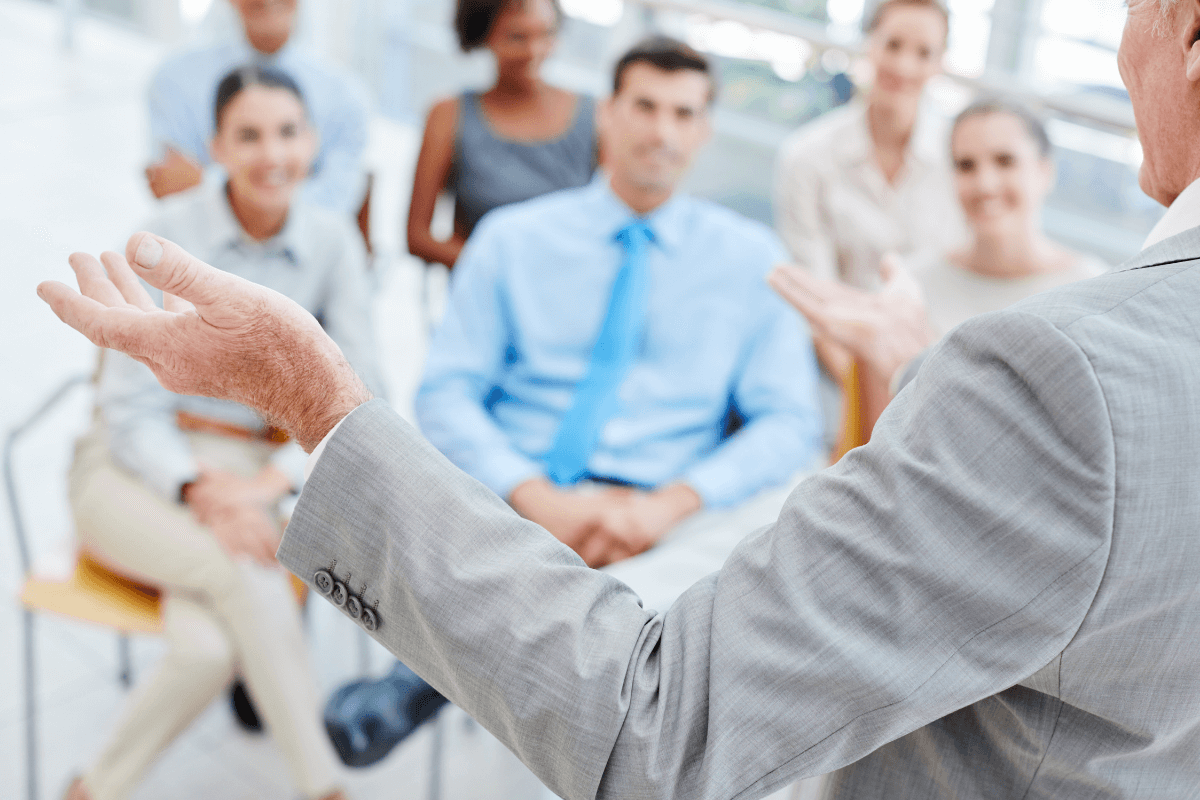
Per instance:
{"type": "Point", "coordinates": [239, 511]}
{"type": "Point", "coordinates": [605, 524]}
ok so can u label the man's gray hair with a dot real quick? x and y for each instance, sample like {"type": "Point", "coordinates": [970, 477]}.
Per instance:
{"type": "Point", "coordinates": [1166, 15]}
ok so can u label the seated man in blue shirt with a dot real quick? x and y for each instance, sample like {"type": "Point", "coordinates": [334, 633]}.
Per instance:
{"type": "Point", "coordinates": [597, 340]}
{"type": "Point", "coordinates": [181, 93]}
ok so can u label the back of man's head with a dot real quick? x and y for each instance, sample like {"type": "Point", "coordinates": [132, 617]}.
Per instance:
{"type": "Point", "coordinates": [1159, 61]}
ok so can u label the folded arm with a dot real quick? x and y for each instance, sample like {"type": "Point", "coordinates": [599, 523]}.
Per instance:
{"type": "Point", "coordinates": [775, 391]}
{"type": "Point", "coordinates": [337, 181]}
{"type": "Point", "coordinates": [463, 368]}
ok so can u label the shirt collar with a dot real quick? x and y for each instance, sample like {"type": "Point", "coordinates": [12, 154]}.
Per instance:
{"type": "Point", "coordinates": [667, 221]}
{"type": "Point", "coordinates": [926, 146]}
{"type": "Point", "coordinates": [1182, 214]}
{"type": "Point", "coordinates": [227, 232]}
{"type": "Point", "coordinates": [854, 144]}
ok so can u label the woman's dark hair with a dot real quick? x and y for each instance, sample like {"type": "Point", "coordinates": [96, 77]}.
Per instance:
{"type": "Point", "coordinates": [1034, 125]}
{"type": "Point", "coordinates": [670, 55]}
{"type": "Point", "coordinates": [473, 20]}
{"type": "Point", "coordinates": [887, 5]}
{"type": "Point", "coordinates": [242, 77]}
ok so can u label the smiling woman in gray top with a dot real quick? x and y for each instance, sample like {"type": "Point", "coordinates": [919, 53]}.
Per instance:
{"type": "Point", "coordinates": [188, 493]}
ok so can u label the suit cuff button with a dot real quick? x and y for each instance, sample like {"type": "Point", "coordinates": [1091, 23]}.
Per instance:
{"type": "Point", "coordinates": [323, 581]}
{"type": "Point", "coordinates": [369, 621]}
{"type": "Point", "coordinates": [339, 594]}
{"type": "Point", "coordinates": [354, 607]}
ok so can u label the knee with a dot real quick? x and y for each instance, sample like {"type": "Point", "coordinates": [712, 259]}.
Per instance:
{"type": "Point", "coordinates": [199, 645]}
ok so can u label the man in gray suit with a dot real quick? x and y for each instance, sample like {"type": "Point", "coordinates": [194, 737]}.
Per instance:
{"type": "Point", "coordinates": [995, 598]}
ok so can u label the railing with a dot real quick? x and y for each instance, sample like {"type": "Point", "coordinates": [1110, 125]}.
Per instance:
{"type": "Point", "coordinates": [1106, 112]}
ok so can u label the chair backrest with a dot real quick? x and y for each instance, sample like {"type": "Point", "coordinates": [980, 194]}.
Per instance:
{"type": "Point", "coordinates": [14, 436]}
{"type": "Point", "coordinates": [854, 416]}
{"type": "Point", "coordinates": [92, 592]}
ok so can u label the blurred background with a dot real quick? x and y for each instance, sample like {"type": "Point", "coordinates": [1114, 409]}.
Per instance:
{"type": "Point", "coordinates": [74, 142]}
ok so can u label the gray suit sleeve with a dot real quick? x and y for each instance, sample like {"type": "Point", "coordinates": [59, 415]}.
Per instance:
{"type": "Point", "coordinates": [950, 558]}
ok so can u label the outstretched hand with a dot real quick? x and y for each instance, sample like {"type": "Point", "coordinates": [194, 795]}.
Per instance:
{"type": "Point", "coordinates": [217, 335]}
{"type": "Point", "coordinates": [884, 329]}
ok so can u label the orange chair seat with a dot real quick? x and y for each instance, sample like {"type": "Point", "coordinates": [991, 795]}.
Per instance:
{"type": "Point", "coordinates": [96, 594]}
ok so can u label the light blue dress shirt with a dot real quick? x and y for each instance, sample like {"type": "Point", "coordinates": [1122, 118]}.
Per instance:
{"type": "Point", "coordinates": [318, 260]}
{"type": "Point", "coordinates": [183, 94]}
{"type": "Point", "coordinates": [528, 296]}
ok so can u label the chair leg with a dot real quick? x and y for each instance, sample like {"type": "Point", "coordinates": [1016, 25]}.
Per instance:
{"type": "Point", "coordinates": [124, 660]}
{"type": "Point", "coordinates": [31, 759]}
{"type": "Point", "coordinates": [435, 756]}
{"type": "Point", "coordinates": [364, 653]}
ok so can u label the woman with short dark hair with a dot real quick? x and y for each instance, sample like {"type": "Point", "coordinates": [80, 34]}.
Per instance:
{"type": "Point", "coordinates": [519, 139]}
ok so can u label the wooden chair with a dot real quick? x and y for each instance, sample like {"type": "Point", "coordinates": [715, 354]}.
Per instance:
{"type": "Point", "coordinates": [863, 400]}
{"type": "Point", "coordinates": [92, 593]}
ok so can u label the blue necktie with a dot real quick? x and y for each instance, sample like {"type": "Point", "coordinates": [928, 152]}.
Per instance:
{"type": "Point", "coordinates": [613, 354]}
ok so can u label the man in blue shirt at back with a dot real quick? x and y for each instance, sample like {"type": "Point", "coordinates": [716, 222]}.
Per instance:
{"type": "Point", "coordinates": [597, 342]}
{"type": "Point", "coordinates": [181, 102]}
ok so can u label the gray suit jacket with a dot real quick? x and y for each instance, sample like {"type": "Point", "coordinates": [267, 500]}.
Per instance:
{"type": "Point", "coordinates": [996, 598]}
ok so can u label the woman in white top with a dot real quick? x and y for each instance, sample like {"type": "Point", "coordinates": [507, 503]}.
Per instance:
{"type": "Point", "coordinates": [872, 177]}
{"type": "Point", "coordinates": [1003, 173]}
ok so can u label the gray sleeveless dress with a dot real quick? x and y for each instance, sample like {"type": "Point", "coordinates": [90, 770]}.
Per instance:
{"type": "Point", "coordinates": [490, 170]}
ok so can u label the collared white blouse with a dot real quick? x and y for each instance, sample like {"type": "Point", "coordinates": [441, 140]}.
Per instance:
{"type": "Point", "coordinates": [837, 212]}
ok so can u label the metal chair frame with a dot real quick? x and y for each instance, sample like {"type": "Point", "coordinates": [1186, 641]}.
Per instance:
{"type": "Point", "coordinates": [125, 662]}
{"type": "Point", "coordinates": [18, 522]}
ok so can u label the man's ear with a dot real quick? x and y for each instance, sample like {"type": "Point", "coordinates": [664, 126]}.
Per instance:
{"type": "Point", "coordinates": [708, 125]}
{"type": "Point", "coordinates": [604, 112]}
{"type": "Point", "coordinates": [314, 143]}
{"type": "Point", "coordinates": [604, 109]}
{"type": "Point", "coordinates": [1192, 58]}
{"type": "Point", "coordinates": [1049, 173]}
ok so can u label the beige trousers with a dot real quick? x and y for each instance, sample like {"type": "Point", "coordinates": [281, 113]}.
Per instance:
{"type": "Point", "coordinates": [221, 616]}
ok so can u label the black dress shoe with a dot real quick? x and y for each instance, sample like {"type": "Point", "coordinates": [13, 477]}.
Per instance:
{"type": "Point", "coordinates": [243, 708]}
{"type": "Point", "coordinates": [366, 719]}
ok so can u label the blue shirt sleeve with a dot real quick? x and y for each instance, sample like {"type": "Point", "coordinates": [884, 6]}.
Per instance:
{"type": "Point", "coordinates": [346, 312]}
{"type": "Point", "coordinates": [775, 392]}
{"type": "Point", "coordinates": [464, 364]}
{"type": "Point", "coordinates": [173, 115]}
{"type": "Point", "coordinates": [338, 180]}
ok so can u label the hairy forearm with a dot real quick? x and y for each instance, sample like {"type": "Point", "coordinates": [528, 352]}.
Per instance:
{"type": "Point", "coordinates": [313, 413]}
